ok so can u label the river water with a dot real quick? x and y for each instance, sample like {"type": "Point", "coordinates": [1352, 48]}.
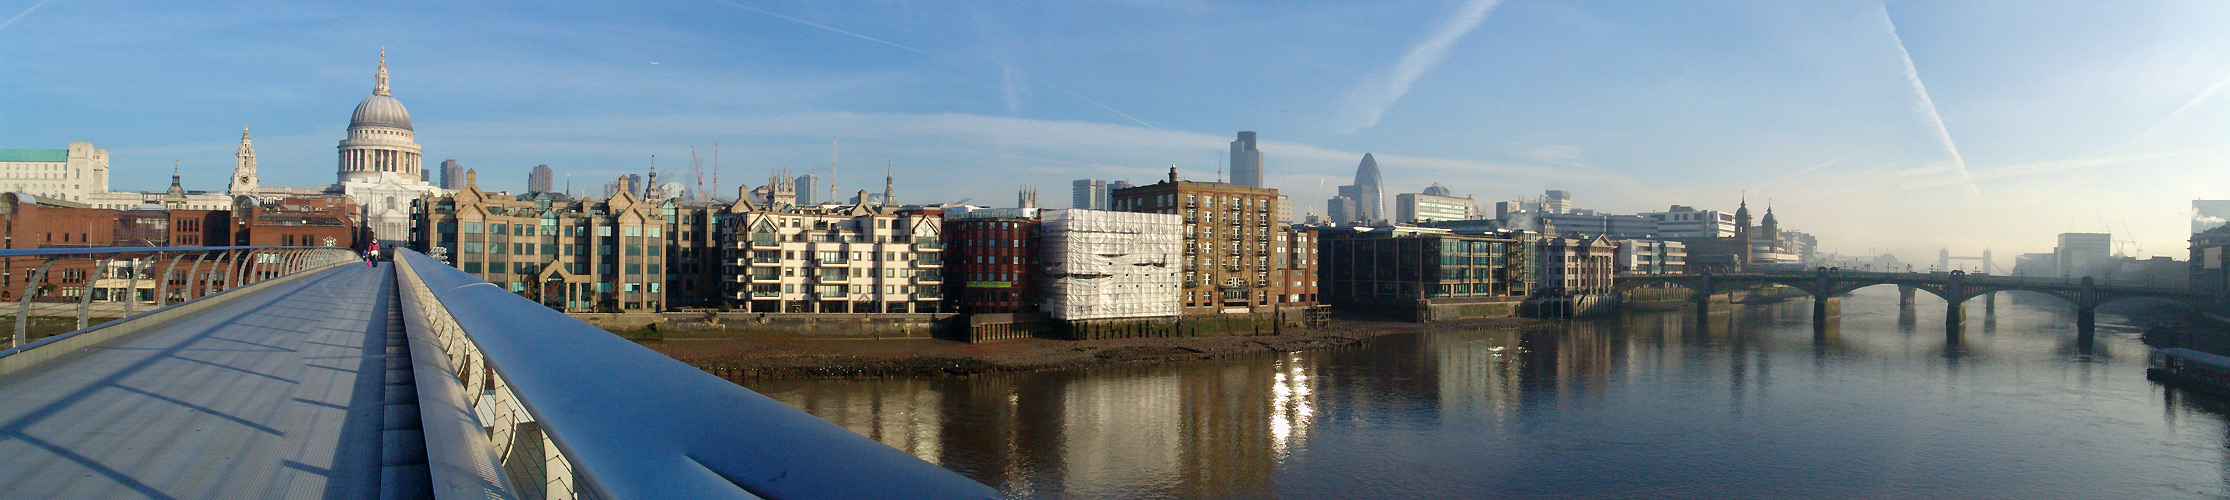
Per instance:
{"type": "Point", "coordinates": [1751, 404]}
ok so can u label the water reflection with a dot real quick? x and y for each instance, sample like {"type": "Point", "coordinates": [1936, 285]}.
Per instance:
{"type": "Point", "coordinates": [1676, 405]}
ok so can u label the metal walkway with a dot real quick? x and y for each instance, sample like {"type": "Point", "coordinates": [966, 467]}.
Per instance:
{"type": "Point", "coordinates": [274, 395]}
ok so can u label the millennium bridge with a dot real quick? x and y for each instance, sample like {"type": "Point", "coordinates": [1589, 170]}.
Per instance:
{"type": "Point", "coordinates": [302, 372]}
{"type": "Point", "coordinates": [1827, 285]}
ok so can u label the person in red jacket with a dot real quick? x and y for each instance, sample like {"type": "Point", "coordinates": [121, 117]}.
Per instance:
{"type": "Point", "coordinates": [371, 254]}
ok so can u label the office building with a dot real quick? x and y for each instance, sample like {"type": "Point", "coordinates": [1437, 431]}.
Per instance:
{"type": "Point", "coordinates": [538, 179]}
{"type": "Point", "coordinates": [1557, 201]}
{"type": "Point", "coordinates": [2210, 262]}
{"type": "Point", "coordinates": [1364, 201]}
{"type": "Point", "coordinates": [1373, 266]}
{"type": "Point", "coordinates": [805, 186]}
{"type": "Point", "coordinates": [452, 175]}
{"type": "Point", "coordinates": [1088, 194]}
{"type": "Point", "coordinates": [1688, 222]}
{"type": "Point", "coordinates": [61, 174]}
{"type": "Point", "coordinates": [2208, 214]}
{"type": "Point", "coordinates": [1646, 256]}
{"type": "Point", "coordinates": [1246, 161]}
{"type": "Point", "coordinates": [1237, 259]}
{"type": "Point", "coordinates": [2083, 254]}
{"type": "Point", "coordinates": [1575, 265]}
{"type": "Point", "coordinates": [1414, 208]}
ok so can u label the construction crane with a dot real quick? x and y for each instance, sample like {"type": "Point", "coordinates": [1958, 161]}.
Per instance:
{"type": "Point", "coordinates": [2123, 246]}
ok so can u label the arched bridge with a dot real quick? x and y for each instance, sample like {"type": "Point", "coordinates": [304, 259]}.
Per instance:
{"type": "Point", "coordinates": [1955, 287]}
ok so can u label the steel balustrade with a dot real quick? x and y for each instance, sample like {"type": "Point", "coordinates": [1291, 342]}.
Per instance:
{"type": "Point", "coordinates": [219, 276]}
{"type": "Point", "coordinates": [576, 412]}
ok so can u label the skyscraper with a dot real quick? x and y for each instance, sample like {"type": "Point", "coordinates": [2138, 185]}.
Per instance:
{"type": "Point", "coordinates": [805, 184]}
{"type": "Point", "coordinates": [1246, 161]}
{"type": "Point", "coordinates": [1370, 191]}
{"type": "Point", "coordinates": [1088, 194]}
{"type": "Point", "coordinates": [452, 175]}
{"type": "Point", "coordinates": [538, 180]}
{"type": "Point", "coordinates": [1557, 201]}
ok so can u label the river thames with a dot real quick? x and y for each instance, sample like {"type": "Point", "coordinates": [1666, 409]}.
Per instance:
{"type": "Point", "coordinates": [1750, 404]}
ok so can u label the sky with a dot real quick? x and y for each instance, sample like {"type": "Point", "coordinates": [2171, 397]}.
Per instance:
{"type": "Point", "coordinates": [1878, 127]}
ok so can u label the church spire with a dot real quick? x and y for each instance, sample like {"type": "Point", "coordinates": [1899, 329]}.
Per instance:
{"type": "Point", "coordinates": [887, 185]}
{"type": "Point", "coordinates": [380, 88]}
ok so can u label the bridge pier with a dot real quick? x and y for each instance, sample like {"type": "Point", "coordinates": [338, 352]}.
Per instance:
{"type": "Point", "coordinates": [1905, 296]}
{"type": "Point", "coordinates": [2086, 321]}
{"type": "Point", "coordinates": [1825, 310]}
{"type": "Point", "coordinates": [1990, 304]}
{"type": "Point", "coordinates": [1955, 317]}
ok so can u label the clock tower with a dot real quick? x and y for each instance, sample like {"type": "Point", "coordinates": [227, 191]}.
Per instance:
{"type": "Point", "coordinates": [244, 167]}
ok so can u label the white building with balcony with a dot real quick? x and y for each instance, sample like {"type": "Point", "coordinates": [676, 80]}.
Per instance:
{"type": "Point", "coordinates": [859, 258]}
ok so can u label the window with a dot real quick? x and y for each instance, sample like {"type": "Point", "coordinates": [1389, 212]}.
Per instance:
{"type": "Point", "coordinates": [653, 231]}
{"type": "Point", "coordinates": [632, 231]}
{"type": "Point", "coordinates": [471, 247]}
{"type": "Point", "coordinates": [603, 230]}
{"type": "Point", "coordinates": [496, 229]}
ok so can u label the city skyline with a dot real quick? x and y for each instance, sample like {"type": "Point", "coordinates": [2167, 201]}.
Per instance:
{"type": "Point", "coordinates": [1904, 127]}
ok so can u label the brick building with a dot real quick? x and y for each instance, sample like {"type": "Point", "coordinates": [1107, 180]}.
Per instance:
{"type": "Point", "coordinates": [1237, 256]}
{"type": "Point", "coordinates": [28, 221]}
{"type": "Point", "coordinates": [299, 220]}
{"type": "Point", "coordinates": [991, 258]}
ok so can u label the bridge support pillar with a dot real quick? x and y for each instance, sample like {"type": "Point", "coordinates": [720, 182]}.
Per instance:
{"type": "Point", "coordinates": [1955, 317]}
{"type": "Point", "coordinates": [1826, 310]}
{"type": "Point", "coordinates": [1990, 304]}
{"type": "Point", "coordinates": [1905, 296]}
{"type": "Point", "coordinates": [2086, 322]}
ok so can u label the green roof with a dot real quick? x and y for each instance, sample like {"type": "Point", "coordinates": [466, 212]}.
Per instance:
{"type": "Point", "coordinates": [51, 155]}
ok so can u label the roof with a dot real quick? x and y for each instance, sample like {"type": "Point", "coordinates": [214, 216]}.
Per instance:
{"type": "Point", "coordinates": [45, 155]}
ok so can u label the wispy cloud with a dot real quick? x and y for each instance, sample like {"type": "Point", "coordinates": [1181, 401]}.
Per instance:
{"type": "Point", "coordinates": [19, 15]}
{"type": "Point", "coordinates": [818, 25]}
{"type": "Point", "coordinates": [1927, 106]}
{"type": "Point", "coordinates": [1367, 102]}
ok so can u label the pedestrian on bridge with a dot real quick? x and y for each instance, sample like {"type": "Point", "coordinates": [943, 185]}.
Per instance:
{"type": "Point", "coordinates": [371, 254]}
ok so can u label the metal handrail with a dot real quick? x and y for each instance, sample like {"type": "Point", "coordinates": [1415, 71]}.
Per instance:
{"type": "Point", "coordinates": [293, 258]}
{"type": "Point", "coordinates": [619, 421]}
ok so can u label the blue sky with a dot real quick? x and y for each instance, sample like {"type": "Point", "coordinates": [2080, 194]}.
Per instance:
{"type": "Point", "coordinates": [1906, 126]}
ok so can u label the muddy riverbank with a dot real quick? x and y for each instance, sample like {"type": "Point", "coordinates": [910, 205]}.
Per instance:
{"type": "Point", "coordinates": [802, 357]}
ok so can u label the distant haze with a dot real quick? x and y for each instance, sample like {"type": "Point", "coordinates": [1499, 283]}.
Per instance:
{"type": "Point", "coordinates": [1905, 127]}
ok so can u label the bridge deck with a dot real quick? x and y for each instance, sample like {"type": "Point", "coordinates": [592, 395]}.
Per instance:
{"type": "Point", "coordinates": [274, 395]}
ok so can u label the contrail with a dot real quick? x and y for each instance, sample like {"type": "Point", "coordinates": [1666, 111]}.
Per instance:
{"type": "Point", "coordinates": [1367, 102]}
{"type": "Point", "coordinates": [26, 12]}
{"type": "Point", "coordinates": [1927, 106]}
{"type": "Point", "coordinates": [2178, 113]}
{"type": "Point", "coordinates": [1035, 78]}
{"type": "Point", "coordinates": [810, 23]}
{"type": "Point", "coordinates": [1761, 187]}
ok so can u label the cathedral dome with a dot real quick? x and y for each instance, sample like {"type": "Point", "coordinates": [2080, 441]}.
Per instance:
{"type": "Point", "coordinates": [380, 110]}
